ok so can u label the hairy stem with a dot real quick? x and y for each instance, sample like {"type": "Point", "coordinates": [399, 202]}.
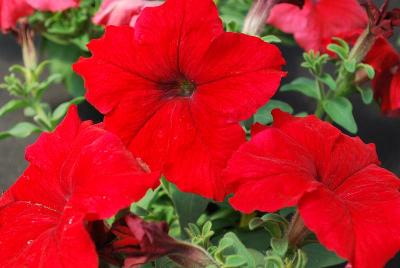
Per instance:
{"type": "Point", "coordinates": [257, 16]}
{"type": "Point", "coordinates": [297, 231]}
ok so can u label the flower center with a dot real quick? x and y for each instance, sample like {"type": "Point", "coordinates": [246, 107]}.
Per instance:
{"type": "Point", "coordinates": [181, 87]}
{"type": "Point", "coordinates": [186, 88]}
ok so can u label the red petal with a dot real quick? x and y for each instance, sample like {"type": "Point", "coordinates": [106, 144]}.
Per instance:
{"type": "Point", "coordinates": [51, 5]}
{"type": "Point", "coordinates": [188, 147]}
{"type": "Point", "coordinates": [33, 235]}
{"type": "Point", "coordinates": [329, 147]}
{"type": "Point", "coordinates": [79, 172]}
{"type": "Point", "coordinates": [121, 12]}
{"type": "Point", "coordinates": [318, 20]}
{"type": "Point", "coordinates": [11, 11]}
{"type": "Point", "coordinates": [230, 63]}
{"type": "Point", "coordinates": [359, 219]}
{"type": "Point", "coordinates": [270, 172]}
{"type": "Point", "coordinates": [186, 29]}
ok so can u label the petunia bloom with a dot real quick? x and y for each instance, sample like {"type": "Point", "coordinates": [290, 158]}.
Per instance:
{"type": "Point", "coordinates": [386, 84]}
{"type": "Point", "coordinates": [318, 20]}
{"type": "Point", "coordinates": [78, 173]}
{"type": "Point", "coordinates": [12, 10]}
{"type": "Point", "coordinates": [122, 12]}
{"type": "Point", "coordinates": [175, 88]}
{"type": "Point", "coordinates": [343, 196]}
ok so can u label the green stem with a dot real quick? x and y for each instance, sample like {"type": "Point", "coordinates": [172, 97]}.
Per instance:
{"type": "Point", "coordinates": [42, 116]}
{"type": "Point", "coordinates": [358, 52]}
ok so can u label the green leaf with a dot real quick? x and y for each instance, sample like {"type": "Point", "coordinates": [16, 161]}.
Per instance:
{"type": "Point", "coordinates": [188, 206]}
{"type": "Point", "coordinates": [328, 80]}
{"type": "Point", "coordinates": [340, 110]}
{"type": "Point", "coordinates": [301, 259]}
{"type": "Point", "coordinates": [319, 256]}
{"type": "Point", "coordinates": [303, 85]}
{"type": "Point", "coordinates": [12, 105]}
{"type": "Point", "coordinates": [20, 130]}
{"type": "Point", "coordinates": [342, 43]}
{"type": "Point", "coordinates": [62, 109]}
{"type": "Point", "coordinates": [367, 95]}
{"type": "Point", "coordinates": [338, 50]}
{"type": "Point", "coordinates": [264, 115]}
{"type": "Point", "coordinates": [237, 247]}
{"type": "Point", "coordinates": [280, 246]}
{"type": "Point", "coordinates": [368, 69]}
{"type": "Point", "coordinates": [271, 39]}
{"type": "Point", "coordinates": [350, 65]}
{"type": "Point", "coordinates": [234, 261]}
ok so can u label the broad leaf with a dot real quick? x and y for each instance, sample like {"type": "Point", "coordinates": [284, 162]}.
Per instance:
{"type": "Point", "coordinates": [188, 206]}
{"type": "Point", "coordinates": [340, 110]}
{"type": "Point", "coordinates": [20, 130]}
{"type": "Point", "coordinates": [303, 85]}
{"type": "Point", "coordinates": [319, 256]}
{"type": "Point", "coordinates": [12, 105]}
{"type": "Point", "coordinates": [264, 116]}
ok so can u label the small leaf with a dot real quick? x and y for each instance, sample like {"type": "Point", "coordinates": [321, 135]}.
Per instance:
{"type": "Point", "coordinates": [279, 246]}
{"type": "Point", "coordinates": [340, 110]}
{"type": "Point", "coordinates": [342, 43]}
{"type": "Point", "coordinates": [274, 261]}
{"type": "Point", "coordinates": [303, 85]}
{"type": "Point", "coordinates": [234, 261]}
{"type": "Point", "coordinates": [237, 248]}
{"type": "Point", "coordinates": [368, 69]}
{"type": "Point", "coordinates": [271, 39]}
{"type": "Point", "coordinates": [328, 80]}
{"type": "Point", "coordinates": [62, 109]}
{"type": "Point", "coordinates": [255, 223]}
{"type": "Point", "coordinates": [12, 105]}
{"type": "Point", "coordinates": [301, 259]}
{"type": "Point", "coordinates": [367, 95]}
{"type": "Point", "coordinates": [188, 206]}
{"type": "Point", "coordinates": [264, 116]}
{"type": "Point", "coordinates": [338, 50]}
{"type": "Point", "coordinates": [350, 65]}
{"type": "Point", "coordinates": [20, 130]}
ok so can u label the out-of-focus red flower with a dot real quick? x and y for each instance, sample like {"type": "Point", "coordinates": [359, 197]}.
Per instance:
{"type": "Point", "coordinates": [122, 12]}
{"type": "Point", "coordinates": [78, 173]}
{"type": "Point", "coordinates": [386, 84]}
{"type": "Point", "coordinates": [318, 20]}
{"type": "Point", "coordinates": [176, 87]}
{"type": "Point", "coordinates": [12, 10]}
{"type": "Point", "coordinates": [351, 203]}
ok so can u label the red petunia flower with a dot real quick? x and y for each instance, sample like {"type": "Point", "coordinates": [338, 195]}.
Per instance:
{"type": "Point", "coordinates": [318, 20]}
{"type": "Point", "coordinates": [122, 12]}
{"type": "Point", "coordinates": [78, 173]}
{"type": "Point", "coordinates": [12, 10]}
{"type": "Point", "coordinates": [176, 87]}
{"type": "Point", "coordinates": [351, 203]}
{"type": "Point", "coordinates": [386, 84]}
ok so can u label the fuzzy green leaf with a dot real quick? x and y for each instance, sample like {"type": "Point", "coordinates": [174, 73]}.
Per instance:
{"type": "Point", "coordinates": [340, 110]}
{"type": "Point", "coordinates": [264, 116]}
{"type": "Point", "coordinates": [12, 105]}
{"type": "Point", "coordinates": [303, 85]}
